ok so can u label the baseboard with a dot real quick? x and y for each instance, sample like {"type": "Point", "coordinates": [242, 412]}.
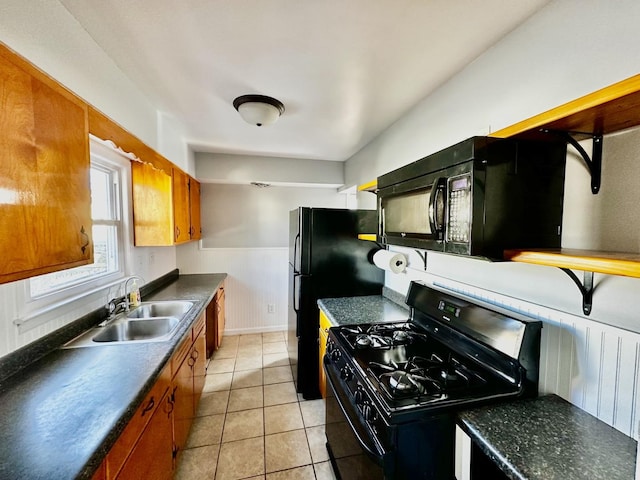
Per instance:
{"type": "Point", "coordinates": [248, 331]}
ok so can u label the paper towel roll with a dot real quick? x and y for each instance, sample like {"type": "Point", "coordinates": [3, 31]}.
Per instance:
{"type": "Point", "coordinates": [390, 261]}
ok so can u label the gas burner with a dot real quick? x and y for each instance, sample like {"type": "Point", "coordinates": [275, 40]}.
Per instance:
{"type": "Point", "coordinates": [381, 336]}
{"type": "Point", "coordinates": [406, 379]}
{"type": "Point", "coordinates": [363, 340]}
{"type": "Point", "coordinates": [400, 336]}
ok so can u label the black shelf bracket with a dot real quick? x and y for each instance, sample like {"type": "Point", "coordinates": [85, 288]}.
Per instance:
{"type": "Point", "coordinates": [594, 163]}
{"type": "Point", "coordinates": [586, 288]}
{"type": "Point", "coordinates": [423, 256]}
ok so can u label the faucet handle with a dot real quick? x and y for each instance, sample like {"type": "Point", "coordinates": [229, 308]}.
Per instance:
{"type": "Point", "coordinates": [111, 306]}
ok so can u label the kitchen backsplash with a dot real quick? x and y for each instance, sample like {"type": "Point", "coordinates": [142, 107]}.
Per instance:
{"type": "Point", "coordinates": [590, 364]}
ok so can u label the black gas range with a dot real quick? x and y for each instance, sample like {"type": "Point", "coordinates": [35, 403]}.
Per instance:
{"type": "Point", "coordinates": [394, 388]}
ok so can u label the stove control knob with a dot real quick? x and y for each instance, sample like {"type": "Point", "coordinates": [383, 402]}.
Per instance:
{"type": "Point", "coordinates": [335, 354]}
{"type": "Point", "coordinates": [346, 373]}
{"type": "Point", "coordinates": [358, 397]}
{"type": "Point", "coordinates": [368, 412]}
{"type": "Point", "coordinates": [330, 347]}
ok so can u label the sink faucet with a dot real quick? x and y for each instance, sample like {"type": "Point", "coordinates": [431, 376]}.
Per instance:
{"type": "Point", "coordinates": [127, 293]}
{"type": "Point", "coordinates": [113, 308]}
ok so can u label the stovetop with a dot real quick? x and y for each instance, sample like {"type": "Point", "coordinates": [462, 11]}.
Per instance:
{"type": "Point", "coordinates": [410, 369]}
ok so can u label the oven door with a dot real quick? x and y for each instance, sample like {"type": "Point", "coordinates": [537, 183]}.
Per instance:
{"type": "Point", "coordinates": [413, 213]}
{"type": "Point", "coordinates": [355, 452]}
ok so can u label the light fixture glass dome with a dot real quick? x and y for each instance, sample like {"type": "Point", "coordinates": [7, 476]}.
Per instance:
{"type": "Point", "coordinates": [258, 110]}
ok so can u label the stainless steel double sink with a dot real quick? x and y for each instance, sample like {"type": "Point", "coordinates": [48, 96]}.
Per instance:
{"type": "Point", "coordinates": [149, 322]}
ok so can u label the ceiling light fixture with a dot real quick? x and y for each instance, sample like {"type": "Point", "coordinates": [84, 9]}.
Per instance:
{"type": "Point", "coordinates": [258, 110]}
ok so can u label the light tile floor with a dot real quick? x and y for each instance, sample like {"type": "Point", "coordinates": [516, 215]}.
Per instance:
{"type": "Point", "coordinates": [251, 423]}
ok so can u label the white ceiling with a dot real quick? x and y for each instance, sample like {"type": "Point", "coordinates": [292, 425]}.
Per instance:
{"type": "Point", "coordinates": [344, 69]}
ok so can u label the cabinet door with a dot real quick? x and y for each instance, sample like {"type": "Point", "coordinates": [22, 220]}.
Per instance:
{"type": "Point", "coordinates": [211, 328]}
{"type": "Point", "coordinates": [182, 222]}
{"type": "Point", "coordinates": [45, 197]}
{"type": "Point", "coordinates": [199, 368]}
{"type": "Point", "coordinates": [194, 209]}
{"type": "Point", "coordinates": [152, 457]}
{"type": "Point", "coordinates": [220, 315]}
{"type": "Point", "coordinates": [152, 205]}
{"type": "Point", "coordinates": [183, 403]}
{"type": "Point", "coordinates": [137, 425]}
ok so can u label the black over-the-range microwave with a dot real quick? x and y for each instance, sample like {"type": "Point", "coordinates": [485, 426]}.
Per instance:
{"type": "Point", "coordinates": [478, 198]}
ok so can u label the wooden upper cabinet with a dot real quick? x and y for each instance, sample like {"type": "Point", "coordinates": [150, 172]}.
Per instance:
{"type": "Point", "coordinates": [194, 209]}
{"type": "Point", "coordinates": [45, 197]}
{"type": "Point", "coordinates": [152, 205]}
{"type": "Point", "coordinates": [166, 208]}
{"type": "Point", "coordinates": [181, 216]}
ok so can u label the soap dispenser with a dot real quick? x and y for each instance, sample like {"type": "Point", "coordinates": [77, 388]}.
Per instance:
{"type": "Point", "coordinates": [134, 295]}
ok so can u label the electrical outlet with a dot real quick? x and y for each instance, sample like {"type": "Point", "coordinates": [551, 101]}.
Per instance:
{"type": "Point", "coordinates": [271, 308]}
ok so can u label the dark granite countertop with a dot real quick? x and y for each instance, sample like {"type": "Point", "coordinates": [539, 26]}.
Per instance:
{"type": "Point", "coordinates": [549, 438]}
{"type": "Point", "coordinates": [61, 414]}
{"type": "Point", "coordinates": [366, 309]}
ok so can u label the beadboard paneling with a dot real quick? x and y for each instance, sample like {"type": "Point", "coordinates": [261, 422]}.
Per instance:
{"type": "Point", "coordinates": [257, 277]}
{"type": "Point", "coordinates": [593, 365]}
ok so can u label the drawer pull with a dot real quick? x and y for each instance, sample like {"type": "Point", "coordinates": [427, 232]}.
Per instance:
{"type": "Point", "coordinates": [149, 407]}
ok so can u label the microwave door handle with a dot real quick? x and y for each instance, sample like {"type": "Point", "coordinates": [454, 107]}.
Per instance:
{"type": "Point", "coordinates": [437, 224]}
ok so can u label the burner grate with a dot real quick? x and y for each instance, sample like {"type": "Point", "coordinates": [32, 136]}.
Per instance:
{"type": "Point", "coordinates": [381, 336]}
{"type": "Point", "coordinates": [420, 376]}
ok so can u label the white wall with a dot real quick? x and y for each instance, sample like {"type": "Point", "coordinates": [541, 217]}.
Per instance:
{"type": "Point", "coordinates": [227, 168]}
{"type": "Point", "coordinates": [246, 234]}
{"type": "Point", "coordinates": [247, 216]}
{"type": "Point", "coordinates": [569, 49]}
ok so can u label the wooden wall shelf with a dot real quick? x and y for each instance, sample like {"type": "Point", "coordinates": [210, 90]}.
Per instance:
{"type": "Point", "coordinates": [611, 263]}
{"type": "Point", "coordinates": [371, 186]}
{"type": "Point", "coordinates": [608, 110]}
{"type": "Point", "coordinates": [371, 237]}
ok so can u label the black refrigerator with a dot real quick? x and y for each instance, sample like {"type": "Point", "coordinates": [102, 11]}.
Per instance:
{"type": "Point", "coordinates": [326, 260]}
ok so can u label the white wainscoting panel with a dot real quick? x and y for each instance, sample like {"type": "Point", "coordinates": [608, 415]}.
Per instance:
{"type": "Point", "coordinates": [593, 365]}
{"type": "Point", "coordinates": [257, 278]}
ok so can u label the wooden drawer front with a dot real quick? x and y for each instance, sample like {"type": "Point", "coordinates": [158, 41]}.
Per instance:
{"type": "Point", "coordinates": [121, 450]}
{"type": "Point", "coordinates": [181, 353]}
{"type": "Point", "coordinates": [197, 327]}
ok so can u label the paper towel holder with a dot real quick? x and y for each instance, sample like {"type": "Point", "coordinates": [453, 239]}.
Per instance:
{"type": "Point", "coordinates": [423, 256]}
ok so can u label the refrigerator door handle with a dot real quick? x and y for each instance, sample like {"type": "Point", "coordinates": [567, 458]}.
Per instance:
{"type": "Point", "coordinates": [295, 253]}
{"type": "Point", "coordinates": [296, 294]}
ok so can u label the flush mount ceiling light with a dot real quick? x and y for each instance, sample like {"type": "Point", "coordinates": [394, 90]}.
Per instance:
{"type": "Point", "coordinates": [258, 110]}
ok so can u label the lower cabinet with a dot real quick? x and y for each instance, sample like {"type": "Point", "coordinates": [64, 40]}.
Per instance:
{"type": "Point", "coordinates": [151, 443]}
{"type": "Point", "coordinates": [152, 457]}
{"type": "Point", "coordinates": [188, 381]}
{"type": "Point", "coordinates": [215, 321]}
{"type": "Point", "coordinates": [323, 335]}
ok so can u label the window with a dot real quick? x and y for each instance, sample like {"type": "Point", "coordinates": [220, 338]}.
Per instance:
{"type": "Point", "coordinates": [107, 237]}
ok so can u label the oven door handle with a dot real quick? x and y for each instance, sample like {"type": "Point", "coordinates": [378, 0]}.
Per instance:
{"type": "Point", "coordinates": [379, 456]}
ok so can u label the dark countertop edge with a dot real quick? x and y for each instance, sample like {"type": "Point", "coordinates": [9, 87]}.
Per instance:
{"type": "Point", "coordinates": [107, 443]}
{"type": "Point", "coordinates": [33, 353]}
{"type": "Point", "coordinates": [471, 428]}
{"type": "Point", "coordinates": [494, 455]}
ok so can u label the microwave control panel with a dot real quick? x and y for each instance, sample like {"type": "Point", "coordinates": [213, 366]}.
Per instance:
{"type": "Point", "coordinates": [459, 208]}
